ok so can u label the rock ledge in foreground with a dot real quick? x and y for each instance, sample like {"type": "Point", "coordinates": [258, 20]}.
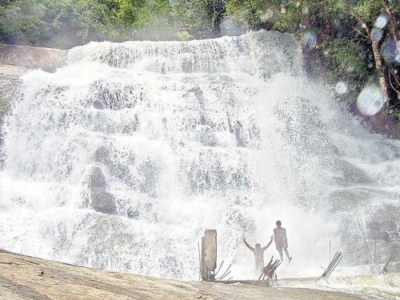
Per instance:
{"type": "Point", "coordinates": [23, 277]}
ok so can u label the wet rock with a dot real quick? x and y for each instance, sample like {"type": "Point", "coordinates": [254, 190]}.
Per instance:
{"type": "Point", "coordinates": [207, 137]}
{"type": "Point", "coordinates": [19, 280]}
{"type": "Point", "coordinates": [350, 174]}
{"type": "Point", "coordinates": [150, 173]}
{"type": "Point", "coordinates": [14, 62]}
{"type": "Point", "coordinates": [384, 223]}
{"type": "Point", "coordinates": [9, 83]}
{"type": "Point", "coordinates": [46, 59]}
{"type": "Point", "coordinates": [98, 197]}
{"type": "Point", "coordinates": [102, 201]}
{"type": "Point", "coordinates": [97, 179]}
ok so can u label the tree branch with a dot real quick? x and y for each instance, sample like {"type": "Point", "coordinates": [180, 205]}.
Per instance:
{"type": "Point", "coordinates": [392, 21]}
{"type": "Point", "coordinates": [366, 36]}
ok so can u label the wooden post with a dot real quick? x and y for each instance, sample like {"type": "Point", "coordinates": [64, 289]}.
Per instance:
{"type": "Point", "coordinates": [330, 249]}
{"type": "Point", "coordinates": [209, 255]}
{"type": "Point", "coordinates": [203, 265]}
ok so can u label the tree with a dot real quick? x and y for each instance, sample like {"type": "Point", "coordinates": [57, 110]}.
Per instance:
{"type": "Point", "coordinates": [345, 34]}
{"type": "Point", "coordinates": [201, 18]}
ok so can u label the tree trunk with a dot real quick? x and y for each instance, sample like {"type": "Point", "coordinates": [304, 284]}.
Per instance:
{"type": "Point", "coordinates": [395, 36]}
{"type": "Point", "coordinates": [392, 21]}
{"type": "Point", "coordinates": [380, 70]}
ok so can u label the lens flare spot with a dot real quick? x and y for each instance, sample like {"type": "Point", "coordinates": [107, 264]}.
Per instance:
{"type": "Point", "coordinates": [309, 40]}
{"type": "Point", "coordinates": [370, 101]}
{"type": "Point", "coordinates": [389, 50]}
{"type": "Point", "coordinates": [376, 34]}
{"type": "Point", "coordinates": [341, 88]}
{"type": "Point", "coordinates": [381, 21]}
{"type": "Point", "coordinates": [397, 58]}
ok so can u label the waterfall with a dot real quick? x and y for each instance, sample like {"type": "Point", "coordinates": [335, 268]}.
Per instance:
{"type": "Point", "coordinates": [123, 157]}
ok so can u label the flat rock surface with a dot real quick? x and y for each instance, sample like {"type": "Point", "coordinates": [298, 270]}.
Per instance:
{"type": "Point", "coordinates": [9, 70]}
{"type": "Point", "coordinates": [24, 277]}
{"type": "Point", "coordinates": [47, 59]}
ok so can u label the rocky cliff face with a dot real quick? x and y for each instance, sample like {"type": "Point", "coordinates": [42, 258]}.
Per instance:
{"type": "Point", "coordinates": [14, 62]}
{"type": "Point", "coordinates": [9, 82]}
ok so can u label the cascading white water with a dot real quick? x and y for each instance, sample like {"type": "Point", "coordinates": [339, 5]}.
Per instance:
{"type": "Point", "coordinates": [185, 136]}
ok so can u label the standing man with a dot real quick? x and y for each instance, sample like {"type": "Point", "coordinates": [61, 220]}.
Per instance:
{"type": "Point", "coordinates": [258, 253]}
{"type": "Point", "coordinates": [281, 241]}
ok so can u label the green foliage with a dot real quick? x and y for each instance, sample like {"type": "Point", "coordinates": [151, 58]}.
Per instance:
{"type": "Point", "coordinates": [184, 36]}
{"type": "Point", "coordinates": [288, 21]}
{"type": "Point", "coordinates": [128, 10]}
{"type": "Point", "coordinates": [339, 37]}
{"type": "Point", "coordinates": [367, 10]}
{"type": "Point", "coordinates": [153, 21]}
{"type": "Point", "coordinates": [25, 22]}
{"type": "Point", "coordinates": [249, 12]}
{"type": "Point", "coordinates": [347, 61]}
{"type": "Point", "coordinates": [199, 17]}
{"type": "Point", "coordinates": [346, 54]}
{"type": "Point", "coordinates": [64, 24]}
{"type": "Point", "coordinates": [59, 24]}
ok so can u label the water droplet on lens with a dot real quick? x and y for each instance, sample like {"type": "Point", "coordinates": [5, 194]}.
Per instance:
{"type": "Point", "coordinates": [309, 40]}
{"type": "Point", "coordinates": [376, 34]}
{"type": "Point", "coordinates": [370, 101]}
{"type": "Point", "coordinates": [341, 87]}
{"type": "Point", "coordinates": [381, 21]}
{"type": "Point", "coordinates": [389, 50]}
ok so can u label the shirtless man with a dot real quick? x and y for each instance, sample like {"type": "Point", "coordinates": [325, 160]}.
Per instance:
{"type": "Point", "coordinates": [281, 241]}
{"type": "Point", "coordinates": [258, 253]}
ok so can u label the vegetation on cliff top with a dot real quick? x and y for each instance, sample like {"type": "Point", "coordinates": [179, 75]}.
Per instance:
{"type": "Point", "coordinates": [357, 41]}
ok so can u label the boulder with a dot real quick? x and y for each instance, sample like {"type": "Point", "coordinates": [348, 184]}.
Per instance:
{"type": "Point", "coordinates": [97, 179]}
{"type": "Point", "coordinates": [98, 197]}
{"type": "Point", "coordinates": [47, 59]}
{"type": "Point", "coordinates": [102, 201]}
